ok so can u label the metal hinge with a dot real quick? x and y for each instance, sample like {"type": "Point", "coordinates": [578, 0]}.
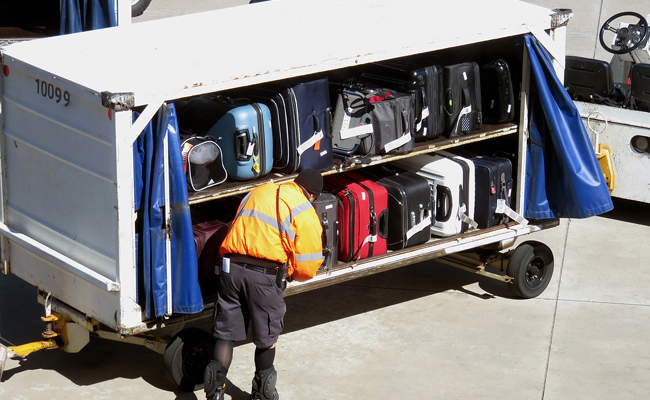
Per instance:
{"type": "Point", "coordinates": [118, 101]}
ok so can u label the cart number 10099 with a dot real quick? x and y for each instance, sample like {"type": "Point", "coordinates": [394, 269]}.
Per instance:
{"type": "Point", "coordinates": [52, 92]}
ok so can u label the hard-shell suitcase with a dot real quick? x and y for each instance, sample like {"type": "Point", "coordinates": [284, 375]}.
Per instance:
{"type": "Point", "coordinates": [241, 128]}
{"type": "Point", "coordinates": [450, 180]}
{"type": "Point", "coordinates": [363, 216]}
{"type": "Point", "coordinates": [462, 91]}
{"type": "Point", "coordinates": [208, 236]}
{"type": "Point", "coordinates": [493, 182]}
{"type": "Point", "coordinates": [497, 95]}
{"type": "Point", "coordinates": [410, 209]}
{"type": "Point", "coordinates": [327, 208]}
{"type": "Point", "coordinates": [426, 85]}
{"type": "Point", "coordinates": [469, 172]}
{"type": "Point", "coordinates": [245, 135]}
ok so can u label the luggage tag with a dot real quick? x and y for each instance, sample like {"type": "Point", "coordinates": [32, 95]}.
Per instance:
{"type": "Point", "coordinates": [348, 131]}
{"type": "Point", "coordinates": [311, 141]}
{"type": "Point", "coordinates": [425, 223]}
{"type": "Point", "coordinates": [465, 218]}
{"type": "Point", "coordinates": [256, 165]}
{"type": "Point", "coordinates": [503, 208]}
{"type": "Point", "coordinates": [250, 149]}
{"type": "Point", "coordinates": [425, 115]}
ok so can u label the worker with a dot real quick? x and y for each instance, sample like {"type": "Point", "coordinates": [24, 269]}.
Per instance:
{"type": "Point", "coordinates": [276, 235]}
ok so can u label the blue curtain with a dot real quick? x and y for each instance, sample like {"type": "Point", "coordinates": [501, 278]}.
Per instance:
{"type": "Point", "coordinates": [563, 177]}
{"type": "Point", "coordinates": [86, 15]}
{"type": "Point", "coordinates": [149, 188]}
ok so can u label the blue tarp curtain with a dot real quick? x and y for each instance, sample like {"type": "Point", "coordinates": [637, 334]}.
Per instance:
{"type": "Point", "coordinates": [148, 152]}
{"type": "Point", "coordinates": [86, 15]}
{"type": "Point", "coordinates": [563, 177]}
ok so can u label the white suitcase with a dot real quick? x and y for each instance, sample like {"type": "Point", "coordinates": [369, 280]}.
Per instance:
{"type": "Point", "coordinates": [451, 179]}
{"type": "Point", "coordinates": [469, 182]}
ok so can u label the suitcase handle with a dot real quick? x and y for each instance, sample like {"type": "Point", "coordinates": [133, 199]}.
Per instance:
{"type": "Point", "coordinates": [383, 224]}
{"type": "Point", "coordinates": [329, 122]}
{"type": "Point", "coordinates": [242, 142]}
{"type": "Point", "coordinates": [443, 204]}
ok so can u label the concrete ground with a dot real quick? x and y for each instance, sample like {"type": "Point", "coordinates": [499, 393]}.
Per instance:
{"type": "Point", "coordinates": [427, 331]}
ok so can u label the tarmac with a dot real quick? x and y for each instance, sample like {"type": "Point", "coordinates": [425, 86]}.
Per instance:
{"type": "Point", "coordinates": [427, 331]}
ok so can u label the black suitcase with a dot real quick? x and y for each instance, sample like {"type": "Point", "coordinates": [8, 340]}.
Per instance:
{"type": "Point", "coordinates": [383, 118]}
{"type": "Point", "coordinates": [327, 207]}
{"type": "Point", "coordinates": [426, 85]}
{"type": "Point", "coordinates": [497, 95]}
{"type": "Point", "coordinates": [410, 209]}
{"type": "Point", "coordinates": [462, 98]}
{"type": "Point", "coordinates": [493, 182]}
{"type": "Point", "coordinates": [393, 123]}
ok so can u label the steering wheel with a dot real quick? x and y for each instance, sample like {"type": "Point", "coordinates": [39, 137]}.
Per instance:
{"type": "Point", "coordinates": [629, 38]}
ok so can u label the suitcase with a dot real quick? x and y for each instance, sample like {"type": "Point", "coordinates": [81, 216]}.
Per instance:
{"type": "Point", "coordinates": [327, 207]}
{"type": "Point", "coordinates": [363, 216]}
{"type": "Point", "coordinates": [450, 180]}
{"type": "Point", "coordinates": [493, 182]}
{"type": "Point", "coordinates": [462, 98]}
{"type": "Point", "coordinates": [369, 121]}
{"type": "Point", "coordinates": [410, 209]}
{"type": "Point", "coordinates": [469, 182]}
{"type": "Point", "coordinates": [497, 95]}
{"type": "Point", "coordinates": [303, 114]}
{"type": "Point", "coordinates": [242, 129]}
{"type": "Point", "coordinates": [426, 85]}
{"type": "Point", "coordinates": [246, 138]}
{"type": "Point", "coordinates": [392, 123]}
{"type": "Point", "coordinates": [208, 236]}
{"type": "Point", "coordinates": [352, 122]}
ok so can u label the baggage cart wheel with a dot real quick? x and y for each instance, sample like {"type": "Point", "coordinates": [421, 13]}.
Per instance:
{"type": "Point", "coordinates": [531, 267]}
{"type": "Point", "coordinates": [186, 357]}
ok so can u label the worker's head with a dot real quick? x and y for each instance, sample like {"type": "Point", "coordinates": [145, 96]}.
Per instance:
{"type": "Point", "coordinates": [312, 181]}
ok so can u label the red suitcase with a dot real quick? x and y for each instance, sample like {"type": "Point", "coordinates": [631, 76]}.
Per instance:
{"type": "Point", "coordinates": [363, 216]}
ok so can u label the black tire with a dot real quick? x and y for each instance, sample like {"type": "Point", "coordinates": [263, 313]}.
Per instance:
{"type": "Point", "coordinates": [138, 7]}
{"type": "Point", "coordinates": [186, 357]}
{"type": "Point", "coordinates": [531, 267]}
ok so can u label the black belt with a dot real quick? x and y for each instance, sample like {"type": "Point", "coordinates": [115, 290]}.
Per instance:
{"type": "Point", "coordinates": [257, 268]}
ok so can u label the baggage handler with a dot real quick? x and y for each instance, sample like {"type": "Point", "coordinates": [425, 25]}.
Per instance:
{"type": "Point", "coordinates": [276, 235]}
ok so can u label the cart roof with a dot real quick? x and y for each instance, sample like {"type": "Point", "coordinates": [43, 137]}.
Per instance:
{"type": "Point", "coordinates": [199, 53]}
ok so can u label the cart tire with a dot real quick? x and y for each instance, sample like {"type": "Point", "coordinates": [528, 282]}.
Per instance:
{"type": "Point", "coordinates": [186, 357]}
{"type": "Point", "coordinates": [531, 267]}
{"type": "Point", "coordinates": [138, 7]}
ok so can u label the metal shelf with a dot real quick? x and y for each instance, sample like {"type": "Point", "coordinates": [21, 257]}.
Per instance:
{"type": "Point", "coordinates": [234, 188]}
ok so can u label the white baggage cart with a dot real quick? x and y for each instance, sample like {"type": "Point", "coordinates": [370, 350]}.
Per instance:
{"type": "Point", "coordinates": [68, 221]}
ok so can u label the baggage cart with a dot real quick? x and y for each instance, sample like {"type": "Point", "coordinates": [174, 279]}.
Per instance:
{"type": "Point", "coordinates": [68, 219]}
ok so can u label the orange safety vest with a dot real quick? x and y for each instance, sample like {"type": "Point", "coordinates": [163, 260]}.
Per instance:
{"type": "Point", "coordinates": [254, 231]}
